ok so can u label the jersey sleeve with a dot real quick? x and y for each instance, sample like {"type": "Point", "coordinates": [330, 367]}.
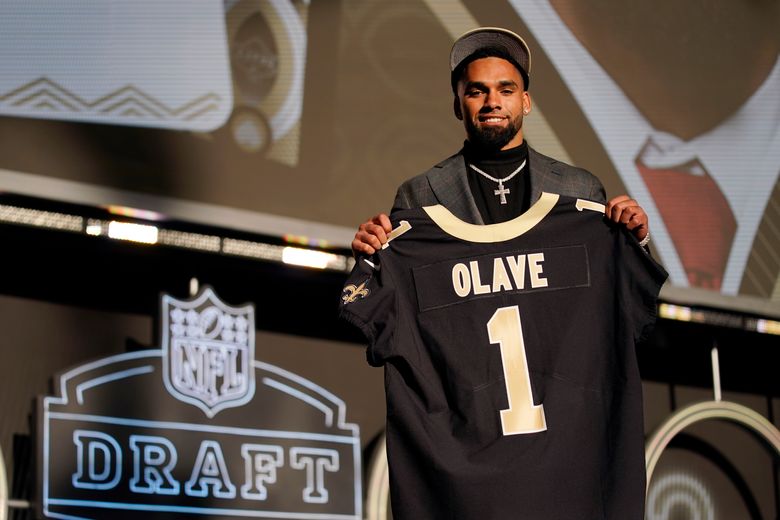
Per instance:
{"type": "Point", "coordinates": [368, 301]}
{"type": "Point", "coordinates": [639, 282]}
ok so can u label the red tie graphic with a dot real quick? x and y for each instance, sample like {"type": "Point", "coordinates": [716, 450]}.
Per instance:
{"type": "Point", "coordinates": [698, 218]}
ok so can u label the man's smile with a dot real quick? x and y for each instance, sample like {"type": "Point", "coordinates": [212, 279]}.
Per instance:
{"type": "Point", "coordinates": [492, 119]}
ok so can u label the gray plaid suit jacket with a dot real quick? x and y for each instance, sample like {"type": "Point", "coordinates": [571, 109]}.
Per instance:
{"type": "Point", "coordinates": [447, 184]}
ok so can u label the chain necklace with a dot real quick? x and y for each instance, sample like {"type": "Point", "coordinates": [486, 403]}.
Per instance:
{"type": "Point", "coordinates": [501, 191]}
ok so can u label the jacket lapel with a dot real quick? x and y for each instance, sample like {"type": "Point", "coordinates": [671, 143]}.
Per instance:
{"type": "Point", "coordinates": [450, 185]}
{"type": "Point", "coordinates": [542, 173]}
{"type": "Point", "coordinates": [762, 269]}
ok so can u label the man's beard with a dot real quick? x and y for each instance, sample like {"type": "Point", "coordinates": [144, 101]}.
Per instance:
{"type": "Point", "coordinates": [493, 139]}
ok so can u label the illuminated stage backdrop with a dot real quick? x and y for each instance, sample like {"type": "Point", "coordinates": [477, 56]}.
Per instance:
{"type": "Point", "coordinates": [197, 427]}
{"type": "Point", "coordinates": [293, 116]}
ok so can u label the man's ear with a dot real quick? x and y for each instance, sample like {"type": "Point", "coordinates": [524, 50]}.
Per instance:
{"type": "Point", "coordinates": [456, 108]}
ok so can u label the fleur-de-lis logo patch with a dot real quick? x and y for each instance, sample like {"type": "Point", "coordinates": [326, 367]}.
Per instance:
{"type": "Point", "coordinates": [354, 292]}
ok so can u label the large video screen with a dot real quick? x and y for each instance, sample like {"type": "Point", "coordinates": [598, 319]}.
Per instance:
{"type": "Point", "coordinates": [287, 115]}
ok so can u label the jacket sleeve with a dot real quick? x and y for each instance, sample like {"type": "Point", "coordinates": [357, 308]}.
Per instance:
{"type": "Point", "coordinates": [597, 192]}
{"type": "Point", "coordinates": [401, 198]}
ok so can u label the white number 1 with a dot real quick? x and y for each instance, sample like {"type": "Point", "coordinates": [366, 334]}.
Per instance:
{"type": "Point", "coordinates": [522, 416]}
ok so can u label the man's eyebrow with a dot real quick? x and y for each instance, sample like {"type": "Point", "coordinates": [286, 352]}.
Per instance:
{"type": "Point", "coordinates": [475, 84]}
{"type": "Point", "coordinates": [482, 85]}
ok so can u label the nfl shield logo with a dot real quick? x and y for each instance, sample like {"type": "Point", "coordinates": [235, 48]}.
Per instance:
{"type": "Point", "coordinates": [208, 351]}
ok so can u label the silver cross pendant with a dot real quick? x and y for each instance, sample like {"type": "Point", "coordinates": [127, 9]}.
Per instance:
{"type": "Point", "coordinates": [501, 192]}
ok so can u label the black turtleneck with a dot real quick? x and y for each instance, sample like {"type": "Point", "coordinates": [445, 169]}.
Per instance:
{"type": "Point", "coordinates": [499, 164]}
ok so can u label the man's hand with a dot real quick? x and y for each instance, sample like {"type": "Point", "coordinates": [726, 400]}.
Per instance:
{"type": "Point", "coordinates": [371, 235]}
{"type": "Point", "coordinates": [627, 211]}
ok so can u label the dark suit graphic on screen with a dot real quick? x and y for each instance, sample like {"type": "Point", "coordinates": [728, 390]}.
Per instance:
{"type": "Point", "coordinates": [687, 117]}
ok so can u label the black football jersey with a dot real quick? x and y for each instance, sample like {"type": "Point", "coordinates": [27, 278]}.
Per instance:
{"type": "Point", "coordinates": [511, 377]}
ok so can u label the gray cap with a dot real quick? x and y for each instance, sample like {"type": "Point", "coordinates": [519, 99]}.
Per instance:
{"type": "Point", "coordinates": [491, 38]}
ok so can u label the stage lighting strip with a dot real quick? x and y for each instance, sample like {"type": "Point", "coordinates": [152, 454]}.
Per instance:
{"type": "Point", "coordinates": [44, 219]}
{"type": "Point", "coordinates": [153, 234]}
{"type": "Point", "coordinates": [720, 319]}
